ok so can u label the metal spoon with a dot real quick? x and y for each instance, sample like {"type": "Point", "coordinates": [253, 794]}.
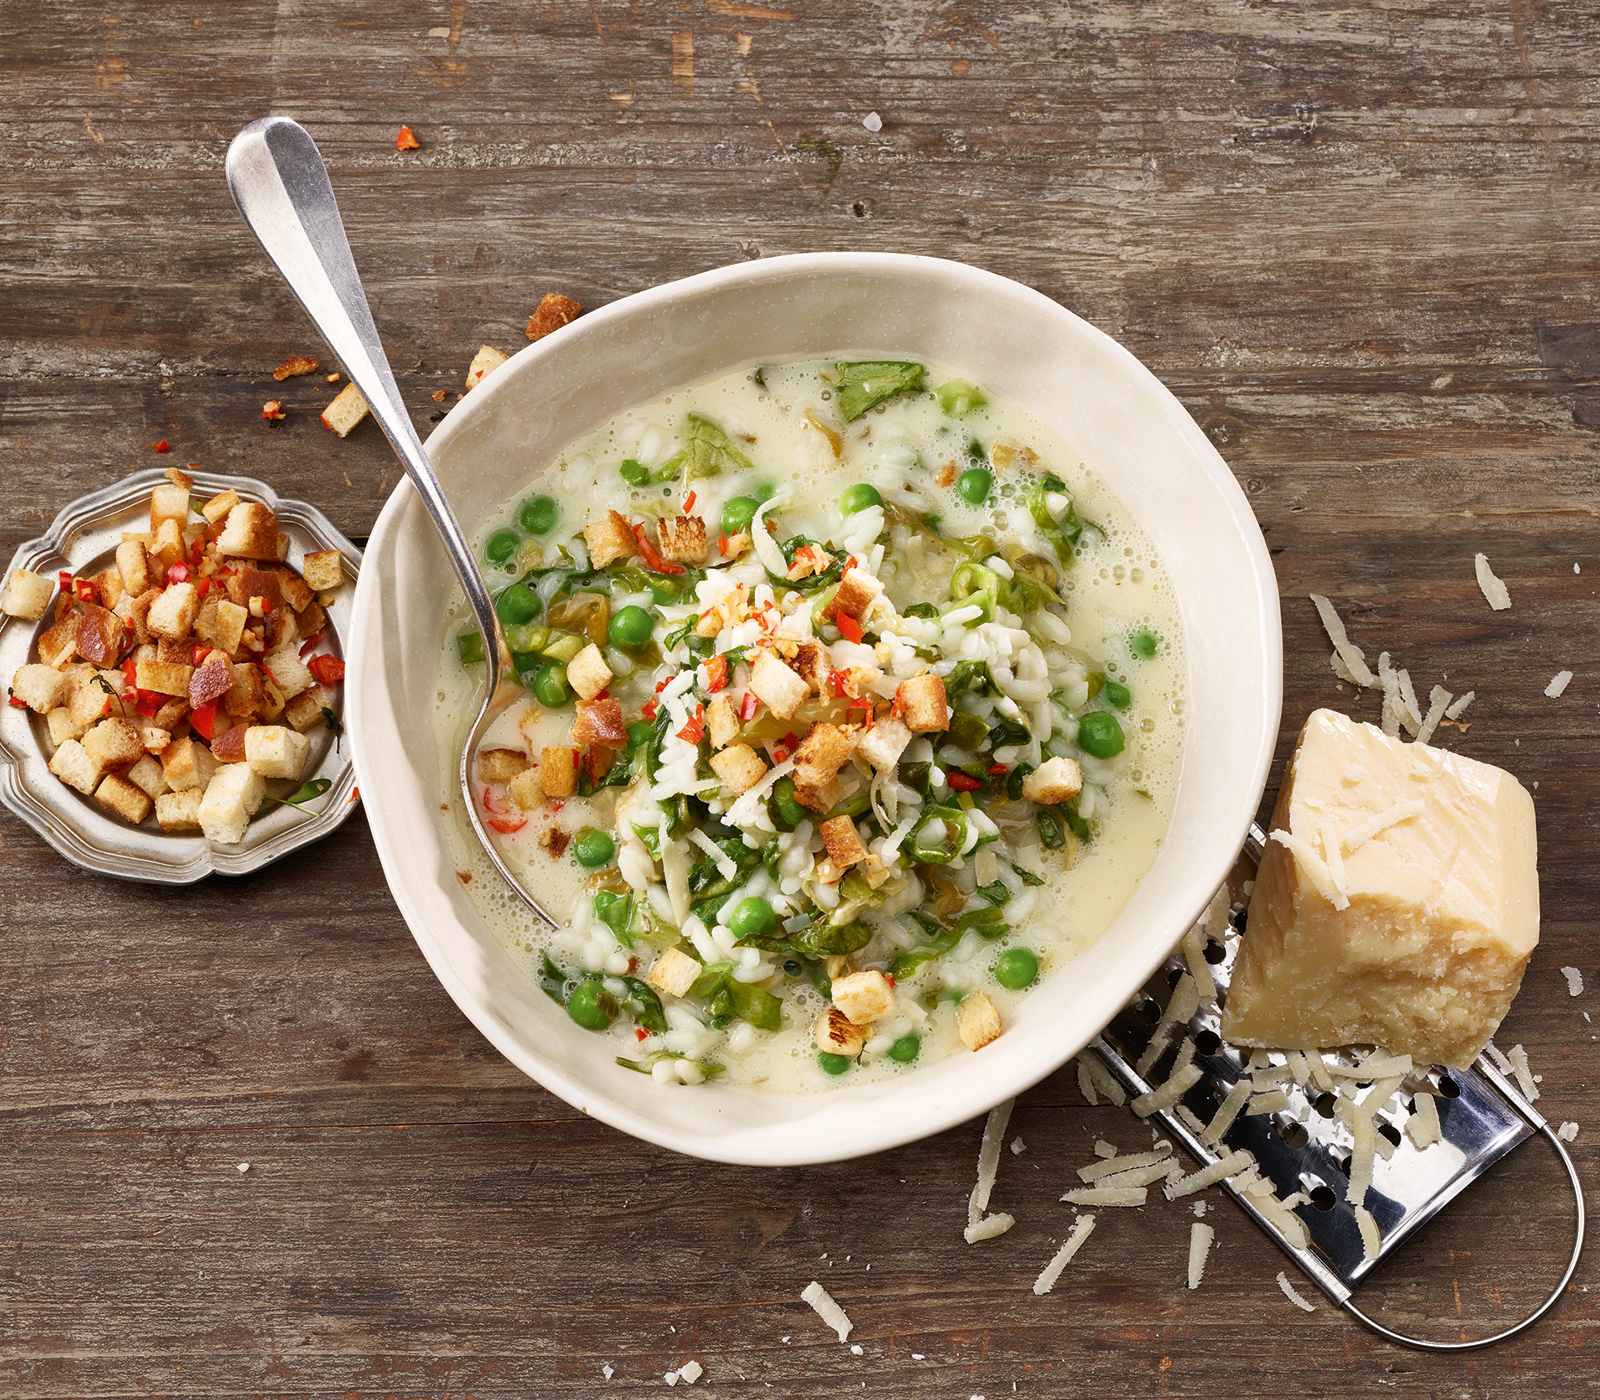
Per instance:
{"type": "Point", "coordinates": [281, 186]}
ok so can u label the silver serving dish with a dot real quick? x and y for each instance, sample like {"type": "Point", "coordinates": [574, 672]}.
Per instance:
{"type": "Point", "coordinates": [83, 539]}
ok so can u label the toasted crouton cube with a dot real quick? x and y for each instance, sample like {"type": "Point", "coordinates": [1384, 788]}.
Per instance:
{"type": "Point", "coordinates": [167, 545]}
{"type": "Point", "coordinates": [820, 756]}
{"type": "Point", "coordinates": [843, 842]}
{"type": "Point", "coordinates": [609, 539]}
{"type": "Point", "coordinates": [114, 744]}
{"type": "Point", "coordinates": [188, 764]}
{"type": "Point", "coordinates": [100, 635]}
{"type": "Point", "coordinates": [977, 1021]}
{"type": "Point", "coordinates": [162, 677]}
{"type": "Point", "coordinates": [297, 594]}
{"type": "Point", "coordinates": [219, 505]}
{"type": "Point", "coordinates": [922, 704]}
{"type": "Point", "coordinates": [232, 797]}
{"type": "Point", "coordinates": [874, 871]}
{"type": "Point", "coordinates": [323, 569]}
{"type": "Point", "coordinates": [248, 693]}
{"type": "Point", "coordinates": [134, 566]}
{"type": "Point", "coordinates": [169, 502]}
{"type": "Point", "coordinates": [864, 997]}
{"type": "Point", "coordinates": [152, 733]}
{"type": "Point", "coordinates": [137, 614]}
{"type": "Point", "coordinates": [63, 726]}
{"type": "Point", "coordinates": [1056, 780]}
{"type": "Point", "coordinates": [485, 362]}
{"type": "Point", "coordinates": [276, 751]}
{"type": "Point", "coordinates": [776, 686]}
{"type": "Point", "coordinates": [120, 796]}
{"type": "Point", "coordinates": [525, 790]}
{"type": "Point", "coordinates": [558, 772]}
{"type": "Point", "coordinates": [883, 744]}
{"type": "Point", "coordinates": [179, 811]}
{"type": "Point", "coordinates": [858, 590]}
{"type": "Point", "coordinates": [288, 671]}
{"type": "Point", "coordinates": [587, 672]}
{"type": "Point", "coordinates": [40, 688]}
{"type": "Point", "coordinates": [27, 595]}
{"type": "Point", "coordinates": [227, 745]}
{"type": "Point", "coordinates": [811, 663]}
{"type": "Point", "coordinates": [674, 972]}
{"type": "Point", "coordinates": [173, 613]}
{"type": "Point", "coordinates": [552, 313]}
{"type": "Point", "coordinates": [740, 768]}
{"type": "Point", "coordinates": [304, 711]}
{"type": "Point", "coordinates": [220, 623]}
{"type": "Point", "coordinates": [146, 776]}
{"type": "Point", "coordinates": [823, 797]}
{"type": "Point", "coordinates": [92, 693]}
{"type": "Point", "coordinates": [722, 721]}
{"type": "Point", "coordinates": [347, 409]}
{"type": "Point", "coordinates": [109, 584]}
{"type": "Point", "coordinates": [211, 680]}
{"type": "Point", "coordinates": [599, 722]}
{"type": "Point", "coordinates": [837, 1034]}
{"type": "Point", "coordinates": [60, 641]}
{"type": "Point", "coordinates": [682, 538]}
{"type": "Point", "coordinates": [72, 764]}
{"type": "Point", "coordinates": [501, 765]}
{"type": "Point", "coordinates": [250, 532]}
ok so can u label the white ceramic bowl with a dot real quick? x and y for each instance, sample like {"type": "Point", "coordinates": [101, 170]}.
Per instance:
{"type": "Point", "coordinates": [1015, 343]}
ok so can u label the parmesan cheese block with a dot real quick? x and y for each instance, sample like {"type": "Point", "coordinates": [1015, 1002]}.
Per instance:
{"type": "Point", "coordinates": [1397, 905]}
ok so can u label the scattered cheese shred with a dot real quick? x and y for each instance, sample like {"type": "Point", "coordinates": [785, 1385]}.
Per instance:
{"type": "Point", "coordinates": [1237, 1096]}
{"type": "Point", "coordinates": [1063, 1256]}
{"type": "Point", "coordinates": [1086, 1083]}
{"type": "Point", "coordinates": [1574, 981]}
{"type": "Point", "coordinates": [990, 1227]}
{"type": "Point", "coordinates": [1438, 699]}
{"type": "Point", "coordinates": [1458, 707]}
{"type": "Point", "coordinates": [1094, 1069]}
{"type": "Point", "coordinates": [1194, 957]}
{"type": "Point", "coordinates": [1424, 1123]}
{"type": "Point", "coordinates": [1361, 1156]}
{"type": "Point", "coordinates": [1567, 1132]}
{"type": "Point", "coordinates": [1274, 1101]}
{"type": "Point", "coordinates": [1371, 1240]}
{"type": "Point", "coordinates": [1102, 1148]}
{"type": "Point", "coordinates": [1358, 836]}
{"type": "Point", "coordinates": [1107, 1196]}
{"type": "Point", "coordinates": [1179, 1084]}
{"type": "Point", "coordinates": [1291, 1295]}
{"type": "Point", "coordinates": [1142, 1176]}
{"type": "Point", "coordinates": [1494, 591]}
{"type": "Point", "coordinates": [1200, 1238]}
{"type": "Point", "coordinates": [994, 1132]}
{"type": "Point", "coordinates": [1354, 658]}
{"type": "Point", "coordinates": [1335, 859]}
{"type": "Point", "coordinates": [1114, 1165]}
{"type": "Point", "coordinates": [825, 1308]}
{"type": "Point", "coordinates": [1220, 1170]}
{"type": "Point", "coordinates": [1315, 868]}
{"type": "Point", "coordinates": [1519, 1067]}
{"type": "Point", "coordinates": [1558, 683]}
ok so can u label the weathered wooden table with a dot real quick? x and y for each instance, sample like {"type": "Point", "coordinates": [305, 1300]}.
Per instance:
{"type": "Point", "coordinates": [1356, 241]}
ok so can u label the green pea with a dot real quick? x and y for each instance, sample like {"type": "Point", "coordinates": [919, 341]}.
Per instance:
{"type": "Point", "coordinates": [1143, 643]}
{"type": "Point", "coordinates": [974, 485]}
{"type": "Point", "coordinates": [904, 1050]}
{"type": "Point", "coordinates": [538, 515]}
{"type": "Point", "coordinates": [1117, 695]}
{"type": "Point", "coordinates": [1016, 968]}
{"type": "Point", "coordinates": [1099, 734]}
{"type": "Point", "coordinates": [833, 1064]}
{"type": "Point", "coordinates": [635, 473]}
{"type": "Point", "coordinates": [550, 685]}
{"type": "Point", "coordinates": [502, 546]}
{"type": "Point", "coordinates": [631, 627]}
{"type": "Point", "coordinates": [764, 492]}
{"type": "Point", "coordinates": [858, 497]}
{"type": "Point", "coordinates": [786, 808]}
{"type": "Point", "coordinates": [738, 513]}
{"type": "Point", "coordinates": [592, 1006]}
{"type": "Point", "coordinates": [594, 848]}
{"type": "Point", "coordinates": [518, 604]}
{"type": "Point", "coordinates": [752, 917]}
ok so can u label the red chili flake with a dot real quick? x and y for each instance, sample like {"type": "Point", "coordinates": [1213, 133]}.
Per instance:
{"type": "Point", "coordinates": [202, 588]}
{"type": "Point", "coordinates": [150, 707]}
{"type": "Point", "coordinates": [64, 580]}
{"type": "Point", "coordinates": [653, 560]}
{"type": "Point", "coordinates": [694, 731]}
{"type": "Point", "coordinates": [780, 754]}
{"type": "Point", "coordinates": [688, 503]}
{"type": "Point", "coordinates": [177, 573]}
{"type": "Point", "coordinates": [557, 806]}
{"type": "Point", "coordinates": [197, 655]}
{"type": "Point", "coordinates": [662, 685]}
{"type": "Point", "coordinates": [204, 719]}
{"type": "Point", "coordinates": [651, 710]}
{"type": "Point", "coordinates": [19, 704]}
{"type": "Point", "coordinates": [747, 706]}
{"type": "Point", "coordinates": [161, 446]}
{"type": "Point", "coordinates": [887, 977]}
{"type": "Point", "coordinates": [310, 644]}
{"type": "Point", "coordinates": [963, 782]}
{"type": "Point", "coordinates": [326, 669]}
{"type": "Point", "coordinates": [896, 709]}
{"type": "Point", "coordinates": [407, 140]}
{"type": "Point", "coordinates": [504, 827]}
{"type": "Point", "coordinates": [849, 564]}
{"type": "Point", "coordinates": [272, 410]}
{"type": "Point", "coordinates": [995, 768]}
{"type": "Point", "coordinates": [130, 669]}
{"type": "Point", "coordinates": [722, 543]}
{"type": "Point", "coordinates": [601, 695]}
{"type": "Point", "coordinates": [836, 680]}
{"type": "Point", "coordinates": [716, 673]}
{"type": "Point", "coordinates": [849, 628]}
{"type": "Point", "coordinates": [792, 741]}
{"type": "Point", "coordinates": [640, 1033]}
{"type": "Point", "coordinates": [87, 592]}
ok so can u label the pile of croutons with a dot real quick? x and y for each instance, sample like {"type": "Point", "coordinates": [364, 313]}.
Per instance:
{"type": "Point", "coordinates": [183, 677]}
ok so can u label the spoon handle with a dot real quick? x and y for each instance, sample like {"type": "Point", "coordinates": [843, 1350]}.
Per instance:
{"type": "Point", "coordinates": [281, 186]}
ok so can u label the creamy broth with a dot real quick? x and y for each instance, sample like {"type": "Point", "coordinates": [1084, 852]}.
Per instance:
{"type": "Point", "coordinates": [919, 455]}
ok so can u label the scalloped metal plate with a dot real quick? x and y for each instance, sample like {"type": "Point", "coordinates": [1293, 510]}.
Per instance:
{"type": "Point", "coordinates": [83, 538]}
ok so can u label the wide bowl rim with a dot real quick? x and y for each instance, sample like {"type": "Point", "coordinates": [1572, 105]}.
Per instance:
{"type": "Point", "coordinates": [774, 1148]}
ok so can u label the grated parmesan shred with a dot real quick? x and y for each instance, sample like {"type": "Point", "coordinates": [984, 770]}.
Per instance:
{"type": "Point", "coordinates": [1183, 1003]}
{"type": "Point", "coordinates": [1220, 1170]}
{"type": "Point", "coordinates": [1291, 1295]}
{"type": "Point", "coordinates": [1424, 1123]}
{"type": "Point", "coordinates": [1358, 836]}
{"type": "Point", "coordinates": [994, 1132]}
{"type": "Point", "coordinates": [1567, 1132]}
{"type": "Point", "coordinates": [1438, 700]}
{"type": "Point", "coordinates": [825, 1308]}
{"type": "Point", "coordinates": [1194, 957]}
{"type": "Point", "coordinates": [1226, 1113]}
{"type": "Point", "coordinates": [1459, 705]}
{"type": "Point", "coordinates": [1558, 684]}
{"type": "Point", "coordinates": [1102, 1148]}
{"type": "Point", "coordinates": [1315, 868]}
{"type": "Point", "coordinates": [1106, 1196]}
{"type": "Point", "coordinates": [1063, 1256]}
{"type": "Point", "coordinates": [1354, 658]}
{"type": "Point", "coordinates": [1335, 859]}
{"type": "Point", "coordinates": [1519, 1067]}
{"type": "Point", "coordinates": [1574, 981]}
{"type": "Point", "coordinates": [1178, 1084]}
{"type": "Point", "coordinates": [1114, 1165]}
{"type": "Point", "coordinates": [989, 1228]}
{"type": "Point", "coordinates": [1495, 592]}
{"type": "Point", "coordinates": [1200, 1238]}
{"type": "Point", "coordinates": [1086, 1083]}
{"type": "Point", "coordinates": [1371, 1240]}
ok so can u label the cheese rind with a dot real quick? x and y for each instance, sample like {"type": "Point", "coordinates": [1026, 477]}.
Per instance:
{"type": "Point", "coordinates": [1443, 902]}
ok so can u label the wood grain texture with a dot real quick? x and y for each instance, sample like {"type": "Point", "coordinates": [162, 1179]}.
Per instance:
{"type": "Point", "coordinates": [1355, 240]}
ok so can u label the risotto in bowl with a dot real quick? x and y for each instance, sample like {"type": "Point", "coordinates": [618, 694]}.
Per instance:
{"type": "Point", "coordinates": [899, 672]}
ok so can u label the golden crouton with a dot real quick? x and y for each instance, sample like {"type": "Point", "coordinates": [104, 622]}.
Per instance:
{"type": "Point", "coordinates": [722, 721]}
{"type": "Point", "coordinates": [147, 777]}
{"type": "Point", "coordinates": [348, 408]}
{"type": "Point", "coordinates": [323, 569]}
{"type": "Point", "coordinates": [297, 594]}
{"type": "Point", "coordinates": [740, 768]}
{"type": "Point", "coordinates": [287, 670]}
{"type": "Point", "coordinates": [250, 532]}
{"type": "Point", "coordinates": [525, 790]}
{"type": "Point", "coordinates": [232, 798]}
{"type": "Point", "coordinates": [100, 635]}
{"type": "Point", "coordinates": [1056, 780]}
{"type": "Point", "coordinates": [72, 764]}
{"type": "Point", "coordinates": [558, 772]}
{"type": "Point", "coordinates": [248, 693]}
{"type": "Point", "coordinates": [599, 722]}
{"type": "Point", "coordinates": [188, 764]}
{"type": "Point", "coordinates": [587, 672]}
{"type": "Point", "coordinates": [552, 313]}
{"type": "Point", "coordinates": [837, 1034]}
{"type": "Point", "coordinates": [163, 677]}
{"type": "Point", "coordinates": [93, 693]}
{"type": "Point", "coordinates": [40, 688]}
{"type": "Point", "coordinates": [173, 613]}
{"type": "Point", "coordinates": [776, 686]}
{"type": "Point", "coordinates": [976, 1020]}
{"type": "Point", "coordinates": [219, 505]}
{"type": "Point", "coordinates": [864, 997]}
{"type": "Point", "coordinates": [922, 704]}
{"type": "Point", "coordinates": [843, 843]}
{"type": "Point", "coordinates": [682, 538]}
{"type": "Point", "coordinates": [169, 502]}
{"type": "Point", "coordinates": [501, 765]}
{"type": "Point", "coordinates": [674, 972]}
{"type": "Point", "coordinates": [304, 711]}
{"type": "Point", "coordinates": [609, 539]}
{"type": "Point", "coordinates": [822, 797]}
{"type": "Point", "coordinates": [27, 595]}
{"type": "Point", "coordinates": [220, 623]}
{"type": "Point", "coordinates": [483, 363]}
{"type": "Point", "coordinates": [134, 566]}
{"type": "Point", "coordinates": [120, 796]}
{"type": "Point", "coordinates": [179, 811]}
{"type": "Point", "coordinates": [113, 744]}
{"type": "Point", "coordinates": [63, 726]}
{"type": "Point", "coordinates": [167, 544]}
{"type": "Point", "coordinates": [137, 614]}
{"type": "Point", "coordinates": [883, 744]}
{"type": "Point", "coordinates": [858, 590]}
{"type": "Point", "coordinates": [109, 584]}
{"type": "Point", "coordinates": [276, 751]}
{"type": "Point", "coordinates": [60, 641]}
{"type": "Point", "coordinates": [812, 664]}
{"type": "Point", "coordinates": [820, 756]}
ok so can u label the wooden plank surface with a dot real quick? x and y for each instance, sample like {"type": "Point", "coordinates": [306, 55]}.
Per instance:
{"type": "Point", "coordinates": [1356, 241]}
